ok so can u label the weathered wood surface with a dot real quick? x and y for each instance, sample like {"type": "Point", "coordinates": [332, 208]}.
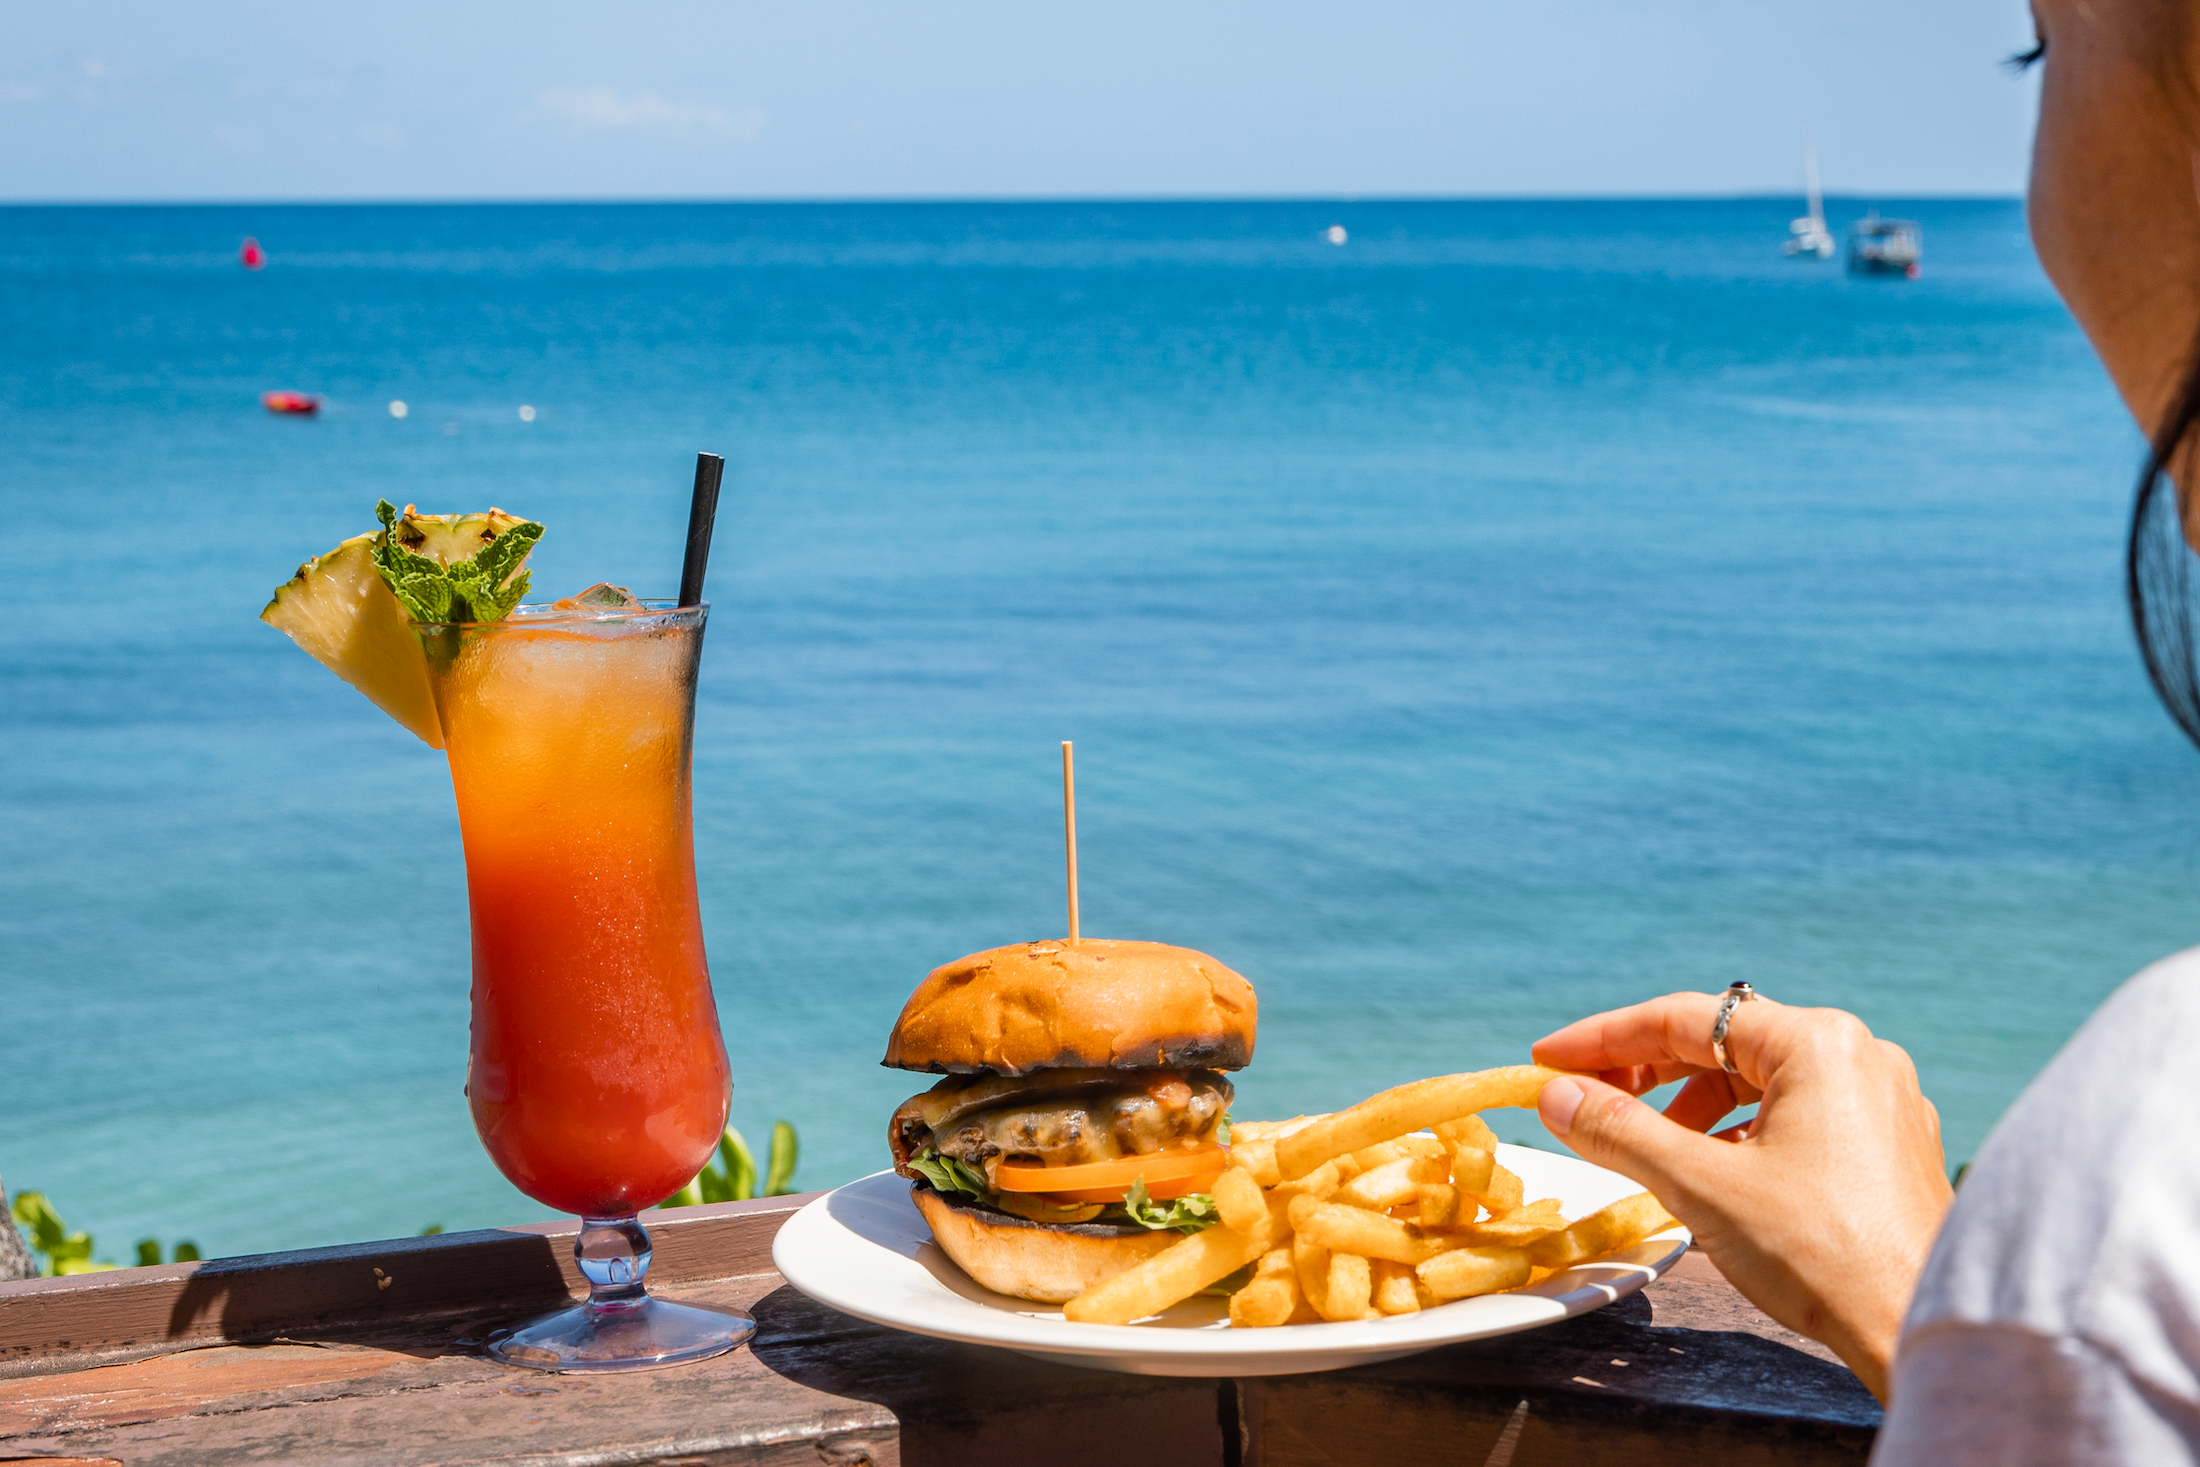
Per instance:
{"type": "Point", "coordinates": [313, 1358]}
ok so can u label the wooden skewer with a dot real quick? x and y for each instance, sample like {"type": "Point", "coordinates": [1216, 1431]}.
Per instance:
{"type": "Point", "coordinates": [1069, 831]}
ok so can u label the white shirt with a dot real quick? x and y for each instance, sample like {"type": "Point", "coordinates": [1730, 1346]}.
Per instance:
{"type": "Point", "coordinates": [2058, 1319]}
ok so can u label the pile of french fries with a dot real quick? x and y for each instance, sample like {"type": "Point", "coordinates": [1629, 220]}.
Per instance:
{"type": "Point", "coordinates": [1391, 1207]}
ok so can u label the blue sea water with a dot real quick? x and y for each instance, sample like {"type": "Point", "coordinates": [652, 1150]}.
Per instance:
{"type": "Point", "coordinates": [1522, 609]}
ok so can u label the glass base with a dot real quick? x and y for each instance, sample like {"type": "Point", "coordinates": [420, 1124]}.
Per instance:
{"type": "Point", "coordinates": [638, 1336]}
{"type": "Point", "coordinates": [620, 1327]}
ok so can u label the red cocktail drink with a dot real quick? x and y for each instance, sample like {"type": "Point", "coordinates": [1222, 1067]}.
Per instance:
{"type": "Point", "coordinates": [598, 1078]}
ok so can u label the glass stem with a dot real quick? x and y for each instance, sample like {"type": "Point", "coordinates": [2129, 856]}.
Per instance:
{"type": "Point", "coordinates": [613, 1254]}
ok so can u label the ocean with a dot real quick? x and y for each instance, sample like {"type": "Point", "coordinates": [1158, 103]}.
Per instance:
{"type": "Point", "coordinates": [1517, 610]}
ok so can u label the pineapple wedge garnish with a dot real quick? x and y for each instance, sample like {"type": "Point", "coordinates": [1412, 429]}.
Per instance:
{"type": "Point", "coordinates": [339, 608]}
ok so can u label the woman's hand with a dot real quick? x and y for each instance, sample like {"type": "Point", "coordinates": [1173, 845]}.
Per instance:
{"type": "Point", "coordinates": [1823, 1209]}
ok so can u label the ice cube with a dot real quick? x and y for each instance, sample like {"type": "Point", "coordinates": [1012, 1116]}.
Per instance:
{"type": "Point", "coordinates": [602, 594]}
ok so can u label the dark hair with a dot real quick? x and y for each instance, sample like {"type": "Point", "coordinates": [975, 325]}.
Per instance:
{"type": "Point", "coordinates": [2159, 559]}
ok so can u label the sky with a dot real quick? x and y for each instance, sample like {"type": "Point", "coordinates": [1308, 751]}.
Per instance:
{"type": "Point", "coordinates": [469, 99]}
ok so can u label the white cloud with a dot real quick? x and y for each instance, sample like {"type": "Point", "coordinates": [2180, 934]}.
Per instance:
{"type": "Point", "coordinates": [600, 106]}
{"type": "Point", "coordinates": [20, 92]}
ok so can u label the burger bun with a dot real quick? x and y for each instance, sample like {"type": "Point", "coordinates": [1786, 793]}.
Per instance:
{"type": "Point", "coordinates": [1047, 1262]}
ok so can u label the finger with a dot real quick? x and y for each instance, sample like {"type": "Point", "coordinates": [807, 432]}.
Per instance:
{"type": "Point", "coordinates": [1613, 1129]}
{"type": "Point", "coordinates": [1671, 1031]}
{"type": "Point", "coordinates": [1675, 1029]}
{"type": "Point", "coordinates": [1741, 1132]}
{"type": "Point", "coordinates": [1639, 1079]}
{"type": "Point", "coordinates": [1703, 1102]}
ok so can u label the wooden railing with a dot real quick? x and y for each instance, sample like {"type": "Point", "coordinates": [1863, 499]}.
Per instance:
{"type": "Point", "coordinates": [366, 1355]}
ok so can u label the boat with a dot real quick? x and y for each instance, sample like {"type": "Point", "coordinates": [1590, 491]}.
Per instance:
{"type": "Point", "coordinates": [1885, 246]}
{"type": "Point", "coordinates": [251, 256]}
{"type": "Point", "coordinates": [299, 404]}
{"type": "Point", "coordinates": [1808, 238]}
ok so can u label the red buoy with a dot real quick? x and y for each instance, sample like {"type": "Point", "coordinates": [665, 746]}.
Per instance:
{"type": "Point", "coordinates": [305, 404]}
{"type": "Point", "coordinates": [252, 257]}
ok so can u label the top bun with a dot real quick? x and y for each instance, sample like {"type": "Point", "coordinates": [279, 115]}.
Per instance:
{"type": "Point", "coordinates": [1097, 1005]}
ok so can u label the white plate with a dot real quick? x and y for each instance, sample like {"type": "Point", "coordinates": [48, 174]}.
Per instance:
{"type": "Point", "coordinates": [865, 1250]}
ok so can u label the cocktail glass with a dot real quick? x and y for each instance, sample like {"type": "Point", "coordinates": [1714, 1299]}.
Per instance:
{"type": "Point", "coordinates": [598, 1077]}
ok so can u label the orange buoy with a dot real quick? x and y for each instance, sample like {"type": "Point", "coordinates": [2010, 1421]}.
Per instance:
{"type": "Point", "coordinates": [252, 257]}
{"type": "Point", "coordinates": [305, 404]}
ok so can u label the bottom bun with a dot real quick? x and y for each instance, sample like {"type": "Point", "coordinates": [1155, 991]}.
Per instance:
{"type": "Point", "coordinates": [1047, 1262]}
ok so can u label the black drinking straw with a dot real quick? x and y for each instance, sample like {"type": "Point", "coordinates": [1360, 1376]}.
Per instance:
{"type": "Point", "coordinates": [702, 516]}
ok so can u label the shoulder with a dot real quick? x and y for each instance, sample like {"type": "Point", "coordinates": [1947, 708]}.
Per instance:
{"type": "Point", "coordinates": [2078, 1216]}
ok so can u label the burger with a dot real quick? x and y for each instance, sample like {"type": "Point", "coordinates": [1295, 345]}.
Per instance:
{"type": "Point", "coordinates": [1084, 1113]}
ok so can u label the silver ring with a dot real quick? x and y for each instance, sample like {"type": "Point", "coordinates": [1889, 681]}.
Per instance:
{"type": "Point", "coordinates": [1736, 995]}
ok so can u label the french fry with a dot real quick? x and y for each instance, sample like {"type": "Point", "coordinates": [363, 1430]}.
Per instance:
{"type": "Point", "coordinates": [1275, 1263]}
{"type": "Point", "coordinates": [1310, 1262]}
{"type": "Point", "coordinates": [1472, 1170]}
{"type": "Point", "coordinates": [1265, 1302]}
{"type": "Point", "coordinates": [1267, 1130]}
{"type": "Point", "coordinates": [1344, 1229]}
{"type": "Point", "coordinates": [1391, 1183]}
{"type": "Point", "coordinates": [1440, 1205]}
{"type": "Point", "coordinates": [1394, 1292]}
{"type": "Point", "coordinates": [1351, 1287]}
{"type": "Point", "coordinates": [1466, 1131]}
{"type": "Point", "coordinates": [1516, 1230]}
{"type": "Point", "coordinates": [1258, 1158]}
{"type": "Point", "coordinates": [1177, 1272]}
{"type": "Point", "coordinates": [1411, 1107]}
{"type": "Point", "coordinates": [1320, 1182]}
{"type": "Point", "coordinates": [1505, 1193]}
{"type": "Point", "coordinates": [1627, 1221]}
{"type": "Point", "coordinates": [1239, 1202]}
{"type": "Point", "coordinates": [1466, 1272]}
{"type": "Point", "coordinates": [1382, 1153]}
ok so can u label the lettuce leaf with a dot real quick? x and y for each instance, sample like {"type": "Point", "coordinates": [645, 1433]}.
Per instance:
{"type": "Point", "coordinates": [947, 1174]}
{"type": "Point", "coordinates": [1192, 1214]}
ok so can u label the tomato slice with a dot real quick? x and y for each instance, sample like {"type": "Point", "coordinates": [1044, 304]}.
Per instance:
{"type": "Point", "coordinates": [1114, 1177]}
{"type": "Point", "coordinates": [1158, 1191]}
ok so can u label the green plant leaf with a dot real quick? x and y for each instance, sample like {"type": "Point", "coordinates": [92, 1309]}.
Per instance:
{"type": "Point", "coordinates": [740, 1166]}
{"type": "Point", "coordinates": [779, 1179]}
{"type": "Point", "coordinates": [66, 1252]}
{"type": "Point", "coordinates": [148, 1251]}
{"type": "Point", "coordinates": [430, 1231]}
{"type": "Point", "coordinates": [188, 1251]}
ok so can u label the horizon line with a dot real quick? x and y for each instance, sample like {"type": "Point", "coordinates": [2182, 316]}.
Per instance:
{"type": "Point", "coordinates": [540, 200]}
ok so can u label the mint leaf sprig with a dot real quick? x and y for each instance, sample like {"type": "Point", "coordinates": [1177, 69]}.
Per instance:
{"type": "Point", "coordinates": [482, 587]}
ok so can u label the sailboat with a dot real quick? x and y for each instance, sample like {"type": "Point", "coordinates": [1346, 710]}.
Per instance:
{"type": "Point", "coordinates": [1808, 238]}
